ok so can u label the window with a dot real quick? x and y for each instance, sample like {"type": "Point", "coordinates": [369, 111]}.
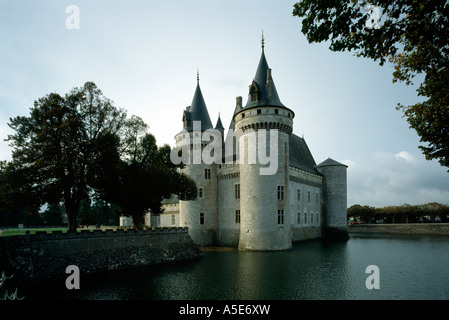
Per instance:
{"type": "Point", "coordinates": [237, 191]}
{"type": "Point", "coordinates": [253, 92]}
{"type": "Point", "coordinates": [298, 218]}
{"type": "Point", "coordinates": [200, 192]}
{"type": "Point", "coordinates": [280, 192]}
{"type": "Point", "coordinates": [317, 197]}
{"type": "Point", "coordinates": [207, 174]}
{"type": "Point", "coordinates": [308, 196]}
{"type": "Point", "coordinates": [237, 216]}
{"type": "Point", "coordinates": [311, 218]}
{"type": "Point", "coordinates": [253, 96]}
{"type": "Point", "coordinates": [259, 111]}
{"type": "Point", "coordinates": [201, 218]}
{"type": "Point", "coordinates": [299, 194]}
{"type": "Point", "coordinates": [173, 220]}
{"type": "Point", "coordinates": [243, 115]}
{"type": "Point", "coordinates": [305, 218]}
{"type": "Point", "coordinates": [280, 216]}
{"type": "Point", "coordinates": [276, 111]}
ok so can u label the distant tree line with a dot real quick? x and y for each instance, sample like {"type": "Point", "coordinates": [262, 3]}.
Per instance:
{"type": "Point", "coordinates": [406, 213]}
{"type": "Point", "coordinates": [81, 154]}
{"type": "Point", "coordinates": [93, 211]}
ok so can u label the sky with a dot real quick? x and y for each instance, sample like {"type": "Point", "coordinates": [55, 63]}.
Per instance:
{"type": "Point", "coordinates": [144, 55]}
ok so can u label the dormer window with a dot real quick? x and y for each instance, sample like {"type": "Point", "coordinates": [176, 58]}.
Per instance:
{"type": "Point", "coordinates": [254, 92]}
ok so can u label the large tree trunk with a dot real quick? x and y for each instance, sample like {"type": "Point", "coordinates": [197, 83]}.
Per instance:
{"type": "Point", "coordinates": [138, 221]}
{"type": "Point", "coordinates": [71, 221]}
{"type": "Point", "coordinates": [72, 207]}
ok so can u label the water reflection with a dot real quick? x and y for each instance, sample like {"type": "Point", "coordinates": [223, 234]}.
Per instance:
{"type": "Point", "coordinates": [411, 267]}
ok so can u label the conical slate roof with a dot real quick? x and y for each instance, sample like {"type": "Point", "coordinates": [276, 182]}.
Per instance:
{"type": "Point", "coordinates": [331, 162]}
{"type": "Point", "coordinates": [198, 111]}
{"type": "Point", "coordinates": [219, 124]}
{"type": "Point", "coordinates": [264, 86]}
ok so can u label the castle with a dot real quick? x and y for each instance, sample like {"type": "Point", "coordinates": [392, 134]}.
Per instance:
{"type": "Point", "coordinates": [250, 202]}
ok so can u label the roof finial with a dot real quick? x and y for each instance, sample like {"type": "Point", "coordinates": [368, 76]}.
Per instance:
{"type": "Point", "coordinates": [197, 76]}
{"type": "Point", "coordinates": [263, 41]}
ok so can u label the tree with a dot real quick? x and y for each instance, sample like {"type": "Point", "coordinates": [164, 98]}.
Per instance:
{"type": "Point", "coordinates": [54, 147]}
{"type": "Point", "coordinates": [53, 214]}
{"type": "Point", "coordinates": [136, 175]}
{"type": "Point", "coordinates": [18, 202]}
{"type": "Point", "coordinates": [411, 34]}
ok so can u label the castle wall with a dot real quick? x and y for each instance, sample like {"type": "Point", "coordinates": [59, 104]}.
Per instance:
{"type": "Point", "coordinates": [41, 256]}
{"type": "Point", "coordinates": [170, 216]}
{"type": "Point", "coordinates": [305, 205]}
{"type": "Point", "coordinates": [335, 195]}
{"type": "Point", "coordinates": [200, 216]}
{"type": "Point", "coordinates": [228, 204]}
{"type": "Point", "coordinates": [264, 216]}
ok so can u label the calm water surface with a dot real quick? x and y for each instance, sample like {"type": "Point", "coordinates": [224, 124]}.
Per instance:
{"type": "Point", "coordinates": [411, 267]}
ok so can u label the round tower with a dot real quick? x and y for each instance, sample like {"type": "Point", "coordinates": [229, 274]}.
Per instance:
{"type": "Point", "coordinates": [335, 200]}
{"type": "Point", "coordinates": [200, 216]}
{"type": "Point", "coordinates": [263, 128]}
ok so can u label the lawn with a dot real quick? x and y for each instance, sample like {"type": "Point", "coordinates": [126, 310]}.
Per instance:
{"type": "Point", "coordinates": [18, 232]}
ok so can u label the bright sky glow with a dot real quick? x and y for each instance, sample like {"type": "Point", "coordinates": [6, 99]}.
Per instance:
{"type": "Point", "coordinates": [144, 56]}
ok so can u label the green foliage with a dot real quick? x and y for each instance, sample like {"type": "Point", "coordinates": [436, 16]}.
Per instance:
{"type": "Point", "coordinates": [413, 35]}
{"type": "Point", "coordinates": [18, 202]}
{"type": "Point", "coordinates": [406, 213]}
{"type": "Point", "coordinates": [54, 147]}
{"type": "Point", "coordinates": [95, 211]}
{"type": "Point", "coordinates": [70, 145]}
{"type": "Point", "coordinates": [53, 215]}
{"type": "Point", "coordinates": [136, 175]}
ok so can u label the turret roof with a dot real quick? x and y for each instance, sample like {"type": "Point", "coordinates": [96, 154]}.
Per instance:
{"type": "Point", "coordinates": [198, 111]}
{"type": "Point", "coordinates": [264, 85]}
{"type": "Point", "coordinates": [331, 162]}
{"type": "Point", "coordinates": [219, 124]}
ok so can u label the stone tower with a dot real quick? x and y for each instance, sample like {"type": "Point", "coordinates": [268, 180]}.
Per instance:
{"type": "Point", "coordinates": [335, 200]}
{"type": "Point", "coordinates": [199, 215]}
{"type": "Point", "coordinates": [263, 127]}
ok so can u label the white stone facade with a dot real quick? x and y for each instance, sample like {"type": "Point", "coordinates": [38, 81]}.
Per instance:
{"type": "Point", "coordinates": [246, 204]}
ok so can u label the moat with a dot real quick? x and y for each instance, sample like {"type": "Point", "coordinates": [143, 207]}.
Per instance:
{"type": "Point", "coordinates": [410, 267]}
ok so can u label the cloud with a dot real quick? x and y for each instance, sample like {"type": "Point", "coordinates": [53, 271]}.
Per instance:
{"type": "Point", "coordinates": [405, 156]}
{"type": "Point", "coordinates": [396, 178]}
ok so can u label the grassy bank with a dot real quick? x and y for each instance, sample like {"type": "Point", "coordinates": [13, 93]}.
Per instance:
{"type": "Point", "coordinates": [18, 232]}
{"type": "Point", "coordinates": [23, 231]}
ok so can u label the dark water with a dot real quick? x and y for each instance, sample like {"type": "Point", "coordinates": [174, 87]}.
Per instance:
{"type": "Point", "coordinates": [410, 267]}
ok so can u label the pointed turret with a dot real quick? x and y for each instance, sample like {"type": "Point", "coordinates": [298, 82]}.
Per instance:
{"type": "Point", "coordinates": [219, 127]}
{"type": "Point", "coordinates": [219, 124]}
{"type": "Point", "coordinates": [197, 111]}
{"type": "Point", "coordinates": [262, 91]}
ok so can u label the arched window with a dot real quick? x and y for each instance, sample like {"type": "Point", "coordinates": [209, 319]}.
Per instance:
{"type": "Point", "coordinates": [254, 92]}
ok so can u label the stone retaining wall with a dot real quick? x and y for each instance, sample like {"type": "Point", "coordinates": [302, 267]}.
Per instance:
{"type": "Point", "coordinates": [401, 228]}
{"type": "Point", "coordinates": [36, 257]}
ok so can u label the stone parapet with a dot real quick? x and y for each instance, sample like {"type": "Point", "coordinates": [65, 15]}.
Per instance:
{"type": "Point", "coordinates": [44, 256]}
